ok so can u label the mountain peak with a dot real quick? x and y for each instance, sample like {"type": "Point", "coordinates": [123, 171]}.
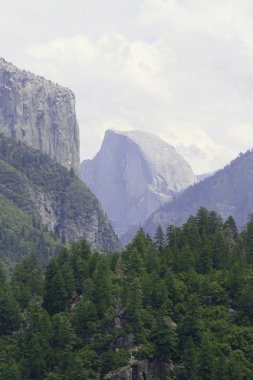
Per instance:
{"type": "Point", "coordinates": [133, 174]}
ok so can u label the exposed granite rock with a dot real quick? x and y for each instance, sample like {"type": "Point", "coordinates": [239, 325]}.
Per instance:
{"type": "Point", "coordinates": [133, 174]}
{"type": "Point", "coordinates": [40, 114]}
{"type": "Point", "coordinates": [136, 371]}
{"type": "Point", "coordinates": [139, 370]}
{"type": "Point", "coordinates": [124, 373]}
{"type": "Point", "coordinates": [36, 184]}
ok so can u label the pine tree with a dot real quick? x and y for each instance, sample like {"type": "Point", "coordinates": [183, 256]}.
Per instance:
{"type": "Point", "coordinates": [56, 296]}
{"type": "Point", "coordinates": [62, 341]}
{"type": "Point", "coordinates": [27, 280]}
{"type": "Point", "coordinates": [206, 362]}
{"type": "Point", "coordinates": [190, 359]}
{"type": "Point", "coordinates": [159, 239]}
{"type": "Point", "coordinates": [220, 251]}
{"type": "Point", "coordinates": [134, 305]}
{"type": "Point", "coordinates": [9, 310]}
{"type": "Point", "coordinates": [230, 229]}
{"type": "Point", "coordinates": [102, 295]}
{"type": "Point", "coordinates": [34, 347]}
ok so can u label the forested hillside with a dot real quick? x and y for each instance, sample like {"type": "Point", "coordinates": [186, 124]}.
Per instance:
{"type": "Point", "coordinates": [21, 235]}
{"type": "Point", "coordinates": [228, 192]}
{"type": "Point", "coordinates": [176, 307]}
{"type": "Point", "coordinates": [34, 184]}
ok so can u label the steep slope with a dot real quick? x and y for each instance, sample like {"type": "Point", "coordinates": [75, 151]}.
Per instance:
{"type": "Point", "coordinates": [22, 235]}
{"type": "Point", "coordinates": [39, 186]}
{"type": "Point", "coordinates": [228, 192]}
{"type": "Point", "coordinates": [133, 174]}
{"type": "Point", "coordinates": [40, 114]}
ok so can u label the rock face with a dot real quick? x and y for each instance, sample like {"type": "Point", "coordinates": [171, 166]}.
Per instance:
{"type": "Point", "coordinates": [228, 192]}
{"type": "Point", "coordinates": [50, 193]}
{"type": "Point", "coordinates": [40, 114]}
{"type": "Point", "coordinates": [133, 174]}
{"type": "Point", "coordinates": [139, 370]}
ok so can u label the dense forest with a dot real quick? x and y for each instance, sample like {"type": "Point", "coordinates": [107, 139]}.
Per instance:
{"type": "Point", "coordinates": [180, 304]}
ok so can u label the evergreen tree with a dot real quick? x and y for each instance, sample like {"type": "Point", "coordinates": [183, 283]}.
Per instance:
{"type": "Point", "coordinates": [62, 341]}
{"type": "Point", "coordinates": [9, 311]}
{"type": "Point", "coordinates": [134, 306]}
{"type": "Point", "coordinates": [230, 229]}
{"type": "Point", "coordinates": [220, 251]}
{"type": "Point", "coordinates": [27, 280]}
{"type": "Point", "coordinates": [34, 349]}
{"type": "Point", "coordinates": [56, 296]}
{"type": "Point", "coordinates": [159, 239]}
{"type": "Point", "coordinates": [206, 361]}
{"type": "Point", "coordinates": [102, 296]}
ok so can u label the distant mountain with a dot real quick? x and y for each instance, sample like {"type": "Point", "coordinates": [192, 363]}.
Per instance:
{"type": "Point", "coordinates": [229, 192]}
{"type": "Point", "coordinates": [133, 174]}
{"type": "Point", "coordinates": [42, 189]}
{"type": "Point", "coordinates": [40, 114]}
{"type": "Point", "coordinates": [201, 177]}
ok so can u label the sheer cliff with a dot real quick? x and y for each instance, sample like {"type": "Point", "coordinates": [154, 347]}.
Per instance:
{"type": "Point", "coordinates": [40, 114]}
{"type": "Point", "coordinates": [133, 174]}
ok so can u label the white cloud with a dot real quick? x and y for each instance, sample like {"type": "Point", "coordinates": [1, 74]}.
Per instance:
{"type": "Point", "coordinates": [178, 68]}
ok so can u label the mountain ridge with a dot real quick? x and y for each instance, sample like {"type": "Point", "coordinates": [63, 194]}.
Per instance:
{"type": "Point", "coordinates": [228, 192]}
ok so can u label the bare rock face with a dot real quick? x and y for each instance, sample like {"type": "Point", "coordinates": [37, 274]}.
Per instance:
{"type": "Point", "coordinates": [133, 174]}
{"type": "Point", "coordinates": [139, 370]}
{"type": "Point", "coordinates": [40, 114]}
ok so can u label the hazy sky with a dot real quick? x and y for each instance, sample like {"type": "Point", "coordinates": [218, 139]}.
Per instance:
{"type": "Point", "coordinates": [182, 69]}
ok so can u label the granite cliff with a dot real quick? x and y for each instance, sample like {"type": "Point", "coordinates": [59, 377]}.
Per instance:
{"type": "Point", "coordinates": [40, 114]}
{"type": "Point", "coordinates": [53, 195]}
{"type": "Point", "coordinates": [133, 174]}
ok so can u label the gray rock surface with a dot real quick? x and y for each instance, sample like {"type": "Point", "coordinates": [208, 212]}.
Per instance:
{"type": "Point", "coordinates": [133, 174]}
{"type": "Point", "coordinates": [53, 195]}
{"type": "Point", "coordinates": [139, 370]}
{"type": "Point", "coordinates": [228, 192]}
{"type": "Point", "coordinates": [40, 114]}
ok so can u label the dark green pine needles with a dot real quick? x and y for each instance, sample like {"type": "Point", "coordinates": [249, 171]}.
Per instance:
{"type": "Point", "coordinates": [181, 304]}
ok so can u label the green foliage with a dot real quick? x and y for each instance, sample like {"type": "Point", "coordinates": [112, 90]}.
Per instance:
{"type": "Point", "coordinates": [113, 360]}
{"type": "Point", "coordinates": [9, 312]}
{"type": "Point", "coordinates": [35, 188]}
{"type": "Point", "coordinates": [27, 280]}
{"type": "Point", "coordinates": [20, 236]}
{"type": "Point", "coordinates": [183, 303]}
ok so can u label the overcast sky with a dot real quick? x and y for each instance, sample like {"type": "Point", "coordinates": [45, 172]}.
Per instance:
{"type": "Point", "coordinates": [182, 69]}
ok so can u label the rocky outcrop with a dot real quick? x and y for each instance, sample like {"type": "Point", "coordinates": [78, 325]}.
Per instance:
{"type": "Point", "coordinates": [124, 373]}
{"type": "Point", "coordinates": [228, 192]}
{"type": "Point", "coordinates": [40, 114]}
{"type": "Point", "coordinates": [53, 195]}
{"type": "Point", "coordinates": [140, 370]}
{"type": "Point", "coordinates": [133, 174]}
